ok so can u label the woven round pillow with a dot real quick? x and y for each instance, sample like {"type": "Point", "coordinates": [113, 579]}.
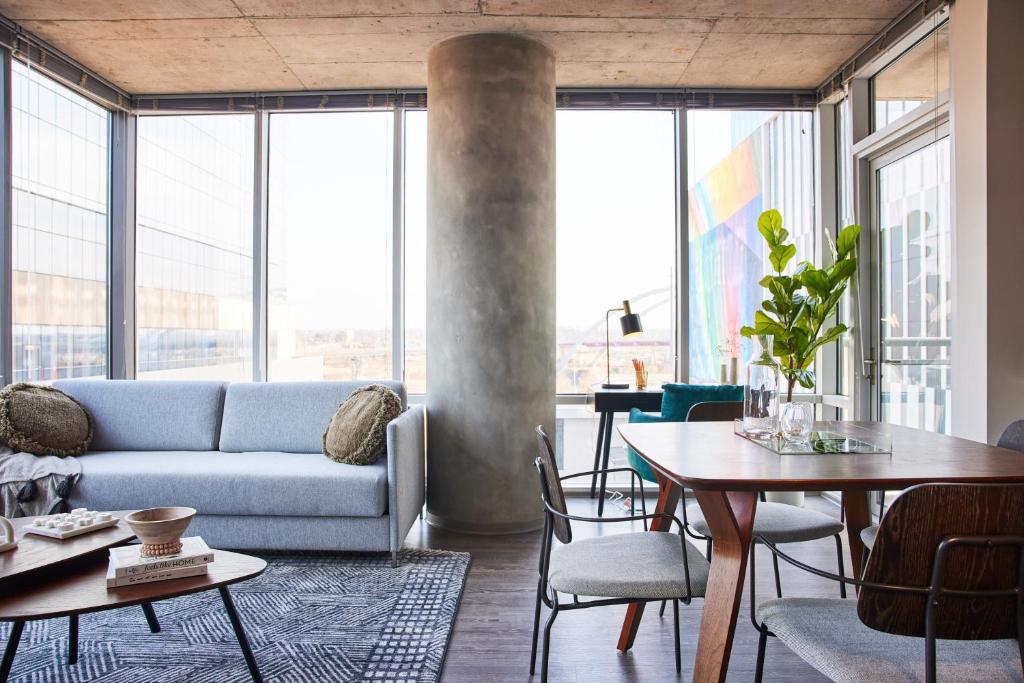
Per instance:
{"type": "Point", "coordinates": [43, 420]}
{"type": "Point", "coordinates": [358, 430]}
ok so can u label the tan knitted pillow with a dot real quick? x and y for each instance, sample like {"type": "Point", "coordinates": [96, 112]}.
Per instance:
{"type": "Point", "coordinates": [358, 430]}
{"type": "Point", "coordinates": [43, 420]}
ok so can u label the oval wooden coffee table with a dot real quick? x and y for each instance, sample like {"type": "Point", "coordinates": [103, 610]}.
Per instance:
{"type": "Point", "coordinates": [82, 588]}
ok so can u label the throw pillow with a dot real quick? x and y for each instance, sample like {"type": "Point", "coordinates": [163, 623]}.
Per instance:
{"type": "Point", "coordinates": [358, 429]}
{"type": "Point", "coordinates": [43, 420]}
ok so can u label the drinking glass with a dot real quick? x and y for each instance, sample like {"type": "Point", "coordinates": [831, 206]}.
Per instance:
{"type": "Point", "coordinates": [797, 420]}
{"type": "Point", "coordinates": [761, 392]}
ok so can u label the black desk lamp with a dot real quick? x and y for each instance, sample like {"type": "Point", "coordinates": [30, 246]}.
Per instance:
{"type": "Point", "coordinates": [631, 327]}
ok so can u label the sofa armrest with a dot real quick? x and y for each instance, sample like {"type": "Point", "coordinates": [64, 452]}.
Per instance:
{"type": "Point", "coordinates": [406, 444]}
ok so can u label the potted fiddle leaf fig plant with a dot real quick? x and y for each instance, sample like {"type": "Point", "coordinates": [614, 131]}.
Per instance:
{"type": "Point", "coordinates": [799, 311]}
{"type": "Point", "coordinates": [797, 318]}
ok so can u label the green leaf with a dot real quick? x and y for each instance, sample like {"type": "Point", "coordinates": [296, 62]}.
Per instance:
{"type": "Point", "coordinates": [782, 255]}
{"type": "Point", "coordinates": [847, 240]}
{"type": "Point", "coordinates": [747, 331]}
{"type": "Point", "coordinates": [766, 281]}
{"type": "Point", "coordinates": [816, 282]}
{"type": "Point", "coordinates": [768, 224]}
{"type": "Point", "coordinates": [841, 271]}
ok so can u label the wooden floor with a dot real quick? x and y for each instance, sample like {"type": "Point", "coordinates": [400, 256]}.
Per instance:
{"type": "Point", "coordinates": [491, 641]}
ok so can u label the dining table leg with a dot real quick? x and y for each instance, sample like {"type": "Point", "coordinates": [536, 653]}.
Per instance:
{"type": "Point", "coordinates": [730, 518]}
{"type": "Point", "coordinates": [668, 499]}
{"type": "Point", "coordinates": [858, 518]}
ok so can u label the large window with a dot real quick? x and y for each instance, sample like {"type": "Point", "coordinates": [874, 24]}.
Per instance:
{"type": "Point", "coordinates": [194, 247]}
{"type": "Point", "coordinates": [615, 241]}
{"type": "Point", "coordinates": [918, 76]}
{"type": "Point", "coordinates": [416, 252]}
{"type": "Point", "coordinates": [60, 160]}
{"type": "Point", "coordinates": [615, 238]}
{"type": "Point", "coordinates": [740, 164]}
{"type": "Point", "coordinates": [330, 233]}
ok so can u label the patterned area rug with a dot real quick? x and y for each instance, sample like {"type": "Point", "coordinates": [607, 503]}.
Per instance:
{"type": "Point", "coordinates": [316, 618]}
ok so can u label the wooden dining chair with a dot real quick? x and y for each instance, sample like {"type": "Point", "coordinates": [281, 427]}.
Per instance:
{"type": "Point", "coordinates": [943, 588]}
{"type": "Point", "coordinates": [778, 522]}
{"type": "Point", "coordinates": [1011, 438]}
{"type": "Point", "coordinates": [615, 569]}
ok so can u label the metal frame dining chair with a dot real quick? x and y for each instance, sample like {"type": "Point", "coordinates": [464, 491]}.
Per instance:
{"type": "Point", "coordinates": [615, 569]}
{"type": "Point", "coordinates": [778, 522]}
{"type": "Point", "coordinates": [1012, 438]}
{"type": "Point", "coordinates": [947, 570]}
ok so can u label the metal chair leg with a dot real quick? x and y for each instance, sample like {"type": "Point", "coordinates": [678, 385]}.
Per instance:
{"type": "Point", "coordinates": [661, 612]}
{"type": "Point", "coordinates": [72, 640]}
{"type": "Point", "coordinates": [547, 641]}
{"type": "Point", "coordinates": [536, 628]}
{"type": "Point", "coordinates": [762, 644]}
{"type": "Point", "coordinates": [839, 561]}
{"type": "Point", "coordinates": [12, 647]}
{"type": "Point", "coordinates": [709, 546]}
{"type": "Point", "coordinates": [154, 625]}
{"type": "Point", "coordinates": [243, 642]}
{"type": "Point", "coordinates": [675, 615]}
{"type": "Point", "coordinates": [778, 581]}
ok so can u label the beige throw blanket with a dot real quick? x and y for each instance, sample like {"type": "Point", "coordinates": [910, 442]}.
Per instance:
{"type": "Point", "coordinates": [35, 484]}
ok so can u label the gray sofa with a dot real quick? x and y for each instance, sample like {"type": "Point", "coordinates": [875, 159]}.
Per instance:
{"type": "Point", "coordinates": [248, 457]}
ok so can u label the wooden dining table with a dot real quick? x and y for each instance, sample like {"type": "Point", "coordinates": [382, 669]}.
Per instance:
{"type": "Point", "coordinates": [726, 471]}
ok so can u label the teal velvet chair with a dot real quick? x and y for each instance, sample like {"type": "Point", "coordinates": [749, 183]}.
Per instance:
{"type": "Point", "coordinates": [676, 402]}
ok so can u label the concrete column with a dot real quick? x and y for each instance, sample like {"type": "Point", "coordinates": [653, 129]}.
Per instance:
{"type": "Point", "coordinates": [490, 279]}
{"type": "Point", "coordinates": [987, 91]}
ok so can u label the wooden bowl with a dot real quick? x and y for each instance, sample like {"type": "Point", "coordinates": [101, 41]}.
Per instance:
{"type": "Point", "coordinates": [160, 529]}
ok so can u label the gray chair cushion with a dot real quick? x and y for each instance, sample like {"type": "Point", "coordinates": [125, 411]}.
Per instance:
{"type": "Point", "coordinates": [778, 523]}
{"type": "Point", "coordinates": [867, 536]}
{"type": "Point", "coordinates": [827, 634]}
{"type": "Point", "coordinates": [215, 483]}
{"type": "Point", "coordinates": [284, 416]}
{"type": "Point", "coordinates": [644, 564]}
{"type": "Point", "coordinates": [140, 415]}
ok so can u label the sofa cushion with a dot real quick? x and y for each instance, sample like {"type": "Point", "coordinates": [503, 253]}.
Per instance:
{"type": "Point", "coordinates": [358, 429]}
{"type": "Point", "coordinates": [215, 483]}
{"type": "Point", "coordinates": [43, 421]}
{"type": "Point", "coordinates": [284, 416]}
{"type": "Point", "coordinates": [140, 415]}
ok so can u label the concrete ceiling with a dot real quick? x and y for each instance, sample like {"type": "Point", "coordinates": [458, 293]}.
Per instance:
{"type": "Point", "coordinates": [194, 46]}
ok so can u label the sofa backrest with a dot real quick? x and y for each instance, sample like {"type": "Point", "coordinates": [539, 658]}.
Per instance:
{"type": "Point", "coordinates": [284, 416]}
{"type": "Point", "coordinates": [141, 415]}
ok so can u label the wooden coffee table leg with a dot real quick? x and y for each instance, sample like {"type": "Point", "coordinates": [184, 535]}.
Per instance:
{"type": "Point", "coordinates": [730, 518]}
{"type": "Point", "coordinates": [12, 647]}
{"type": "Point", "coordinates": [243, 642]}
{"type": "Point", "coordinates": [858, 518]}
{"type": "Point", "coordinates": [154, 625]}
{"type": "Point", "coordinates": [72, 640]}
{"type": "Point", "coordinates": [668, 498]}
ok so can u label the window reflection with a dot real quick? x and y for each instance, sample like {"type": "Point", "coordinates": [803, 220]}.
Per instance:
{"type": "Point", "coordinates": [194, 247]}
{"type": "Point", "coordinates": [59, 220]}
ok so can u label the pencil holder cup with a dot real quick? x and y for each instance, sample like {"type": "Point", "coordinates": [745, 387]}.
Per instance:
{"type": "Point", "coordinates": [641, 380]}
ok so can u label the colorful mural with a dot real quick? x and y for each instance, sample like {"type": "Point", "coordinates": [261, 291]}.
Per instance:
{"type": "Point", "coordinates": [726, 253]}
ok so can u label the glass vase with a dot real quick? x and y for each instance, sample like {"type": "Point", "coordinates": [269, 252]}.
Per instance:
{"type": "Point", "coordinates": [761, 392]}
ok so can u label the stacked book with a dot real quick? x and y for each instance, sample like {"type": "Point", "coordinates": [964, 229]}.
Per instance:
{"type": "Point", "coordinates": [127, 567]}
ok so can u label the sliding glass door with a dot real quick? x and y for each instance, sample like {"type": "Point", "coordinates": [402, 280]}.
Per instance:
{"type": "Point", "coordinates": [914, 283]}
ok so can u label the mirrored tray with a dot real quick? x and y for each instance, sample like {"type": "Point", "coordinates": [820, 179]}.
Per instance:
{"type": "Point", "coordinates": [827, 438]}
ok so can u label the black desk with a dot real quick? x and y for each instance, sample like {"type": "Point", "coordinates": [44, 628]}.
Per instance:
{"type": "Point", "coordinates": [607, 402]}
